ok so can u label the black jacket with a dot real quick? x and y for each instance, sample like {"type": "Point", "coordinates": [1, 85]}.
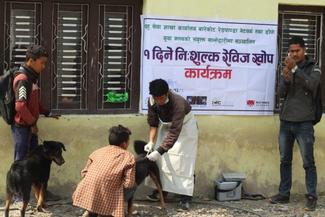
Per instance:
{"type": "Point", "coordinates": [298, 94]}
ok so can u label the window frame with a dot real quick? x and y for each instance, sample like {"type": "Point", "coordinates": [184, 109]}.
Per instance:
{"type": "Point", "coordinates": [47, 7]}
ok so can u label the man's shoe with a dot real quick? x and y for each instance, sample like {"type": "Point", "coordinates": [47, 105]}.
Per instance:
{"type": "Point", "coordinates": [278, 198]}
{"type": "Point", "coordinates": [49, 196]}
{"type": "Point", "coordinates": [311, 203]}
{"type": "Point", "coordinates": [184, 205]}
{"type": "Point", "coordinates": [154, 197]}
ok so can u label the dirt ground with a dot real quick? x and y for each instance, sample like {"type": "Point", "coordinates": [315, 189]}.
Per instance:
{"type": "Point", "coordinates": [200, 208]}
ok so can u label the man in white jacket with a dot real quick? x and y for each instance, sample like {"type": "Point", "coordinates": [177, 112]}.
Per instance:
{"type": "Point", "coordinates": [173, 138]}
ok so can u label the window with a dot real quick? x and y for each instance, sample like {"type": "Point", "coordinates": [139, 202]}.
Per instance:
{"type": "Point", "coordinates": [69, 56]}
{"type": "Point", "coordinates": [21, 29]}
{"type": "Point", "coordinates": [306, 22]}
{"type": "Point", "coordinates": [94, 51]}
{"type": "Point", "coordinates": [116, 40]}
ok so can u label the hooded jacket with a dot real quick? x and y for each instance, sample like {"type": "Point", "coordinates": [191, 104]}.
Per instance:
{"type": "Point", "coordinates": [299, 92]}
{"type": "Point", "coordinates": [27, 103]}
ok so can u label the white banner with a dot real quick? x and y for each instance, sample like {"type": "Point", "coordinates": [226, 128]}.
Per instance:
{"type": "Point", "coordinates": [219, 67]}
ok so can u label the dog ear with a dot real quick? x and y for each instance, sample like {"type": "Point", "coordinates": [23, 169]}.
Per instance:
{"type": "Point", "coordinates": [62, 146]}
{"type": "Point", "coordinates": [139, 146]}
{"type": "Point", "coordinates": [46, 145]}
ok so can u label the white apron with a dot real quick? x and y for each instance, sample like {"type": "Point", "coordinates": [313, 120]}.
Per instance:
{"type": "Point", "coordinates": [177, 165]}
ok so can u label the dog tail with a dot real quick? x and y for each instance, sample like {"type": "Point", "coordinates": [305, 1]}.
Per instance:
{"type": "Point", "coordinates": [15, 180]}
{"type": "Point", "coordinates": [13, 185]}
{"type": "Point", "coordinates": [139, 147]}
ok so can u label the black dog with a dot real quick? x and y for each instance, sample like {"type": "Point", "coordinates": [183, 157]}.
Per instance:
{"type": "Point", "coordinates": [34, 171]}
{"type": "Point", "coordinates": [144, 168]}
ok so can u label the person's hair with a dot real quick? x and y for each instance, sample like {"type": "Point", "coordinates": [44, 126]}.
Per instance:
{"type": "Point", "coordinates": [297, 40]}
{"type": "Point", "coordinates": [158, 87]}
{"type": "Point", "coordinates": [118, 135]}
{"type": "Point", "coordinates": [35, 51]}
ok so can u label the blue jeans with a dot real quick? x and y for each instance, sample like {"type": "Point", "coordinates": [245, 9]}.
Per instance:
{"type": "Point", "coordinates": [303, 132]}
{"type": "Point", "coordinates": [24, 141]}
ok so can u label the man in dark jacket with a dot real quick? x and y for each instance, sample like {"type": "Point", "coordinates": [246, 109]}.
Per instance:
{"type": "Point", "coordinates": [298, 86]}
{"type": "Point", "coordinates": [28, 108]}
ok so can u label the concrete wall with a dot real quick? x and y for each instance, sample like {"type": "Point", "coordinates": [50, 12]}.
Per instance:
{"type": "Point", "coordinates": [266, 10]}
{"type": "Point", "coordinates": [232, 143]}
{"type": "Point", "coordinates": [226, 143]}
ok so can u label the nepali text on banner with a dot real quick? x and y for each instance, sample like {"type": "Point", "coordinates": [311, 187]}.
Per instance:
{"type": "Point", "coordinates": [219, 67]}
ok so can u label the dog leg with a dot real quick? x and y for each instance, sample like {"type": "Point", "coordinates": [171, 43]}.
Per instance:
{"type": "Point", "coordinates": [7, 206]}
{"type": "Point", "coordinates": [41, 198]}
{"type": "Point", "coordinates": [159, 188]}
{"type": "Point", "coordinates": [36, 189]}
{"type": "Point", "coordinates": [23, 210]}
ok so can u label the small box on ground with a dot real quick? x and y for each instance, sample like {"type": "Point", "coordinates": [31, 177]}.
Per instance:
{"type": "Point", "coordinates": [229, 187]}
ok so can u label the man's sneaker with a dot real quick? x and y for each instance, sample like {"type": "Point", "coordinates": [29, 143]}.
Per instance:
{"type": "Point", "coordinates": [311, 203]}
{"type": "Point", "coordinates": [278, 198]}
{"type": "Point", "coordinates": [155, 196]}
{"type": "Point", "coordinates": [184, 205]}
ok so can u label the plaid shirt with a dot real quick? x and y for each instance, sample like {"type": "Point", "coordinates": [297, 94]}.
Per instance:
{"type": "Point", "coordinates": [108, 171]}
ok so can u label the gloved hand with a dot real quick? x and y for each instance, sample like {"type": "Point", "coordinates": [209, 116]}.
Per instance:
{"type": "Point", "coordinates": [154, 156]}
{"type": "Point", "coordinates": [149, 146]}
